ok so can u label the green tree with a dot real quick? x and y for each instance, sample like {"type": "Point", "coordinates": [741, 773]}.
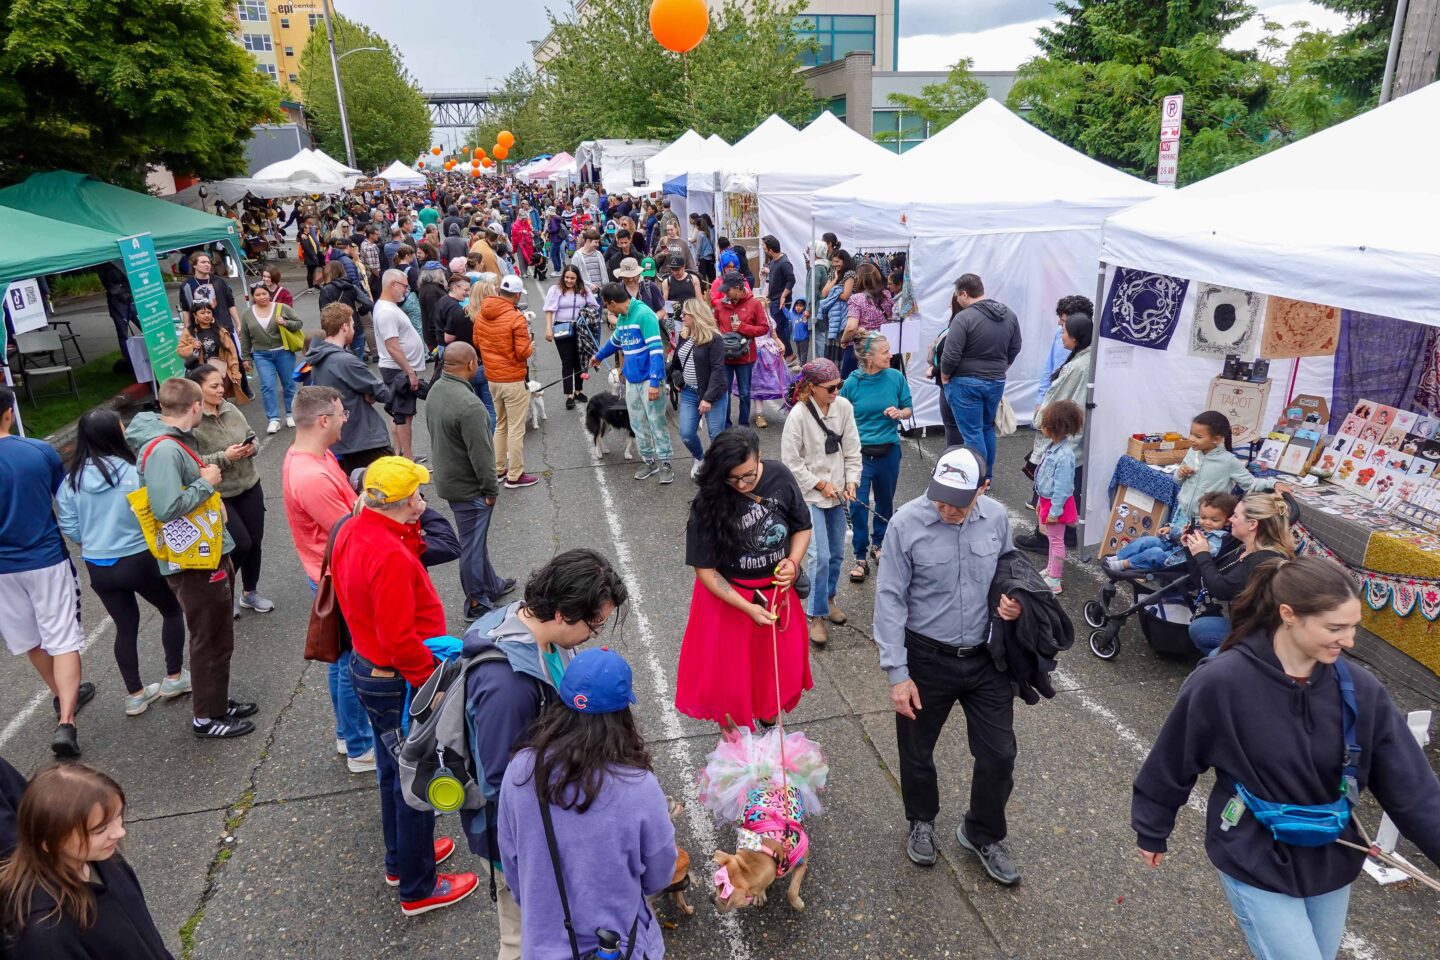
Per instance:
{"type": "Point", "coordinates": [1359, 61]}
{"type": "Point", "coordinates": [515, 106]}
{"type": "Point", "coordinates": [112, 88]}
{"type": "Point", "coordinates": [1098, 87]}
{"type": "Point", "coordinates": [941, 104]}
{"type": "Point", "coordinates": [388, 116]}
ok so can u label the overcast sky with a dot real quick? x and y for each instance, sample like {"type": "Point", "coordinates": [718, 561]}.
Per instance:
{"type": "Point", "coordinates": [468, 43]}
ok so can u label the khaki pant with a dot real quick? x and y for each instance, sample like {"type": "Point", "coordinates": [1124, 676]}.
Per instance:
{"type": "Point", "coordinates": [512, 405]}
{"type": "Point", "coordinates": [509, 912]}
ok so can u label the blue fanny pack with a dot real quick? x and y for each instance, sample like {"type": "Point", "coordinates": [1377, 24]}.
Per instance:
{"type": "Point", "coordinates": [1312, 825]}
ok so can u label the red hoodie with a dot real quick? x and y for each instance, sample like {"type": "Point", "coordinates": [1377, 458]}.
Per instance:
{"type": "Point", "coordinates": [746, 318]}
{"type": "Point", "coordinates": [386, 596]}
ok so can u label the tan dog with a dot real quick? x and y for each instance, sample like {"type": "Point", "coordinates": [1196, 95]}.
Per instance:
{"type": "Point", "coordinates": [681, 881]}
{"type": "Point", "coordinates": [771, 843]}
{"type": "Point", "coordinates": [750, 874]}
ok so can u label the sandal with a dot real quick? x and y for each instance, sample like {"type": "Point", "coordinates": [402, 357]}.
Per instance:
{"type": "Point", "coordinates": [860, 571]}
{"type": "Point", "coordinates": [875, 554]}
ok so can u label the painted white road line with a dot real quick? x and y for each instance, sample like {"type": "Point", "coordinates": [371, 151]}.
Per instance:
{"type": "Point", "coordinates": [44, 696]}
{"type": "Point", "coordinates": [662, 693]}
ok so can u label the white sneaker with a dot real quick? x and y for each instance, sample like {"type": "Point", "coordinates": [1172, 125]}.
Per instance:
{"type": "Point", "coordinates": [289, 421]}
{"type": "Point", "coordinates": [695, 470]}
{"type": "Point", "coordinates": [174, 688]}
{"type": "Point", "coordinates": [1054, 584]}
{"type": "Point", "coordinates": [340, 746]}
{"type": "Point", "coordinates": [273, 427]}
{"type": "Point", "coordinates": [137, 704]}
{"type": "Point", "coordinates": [365, 763]}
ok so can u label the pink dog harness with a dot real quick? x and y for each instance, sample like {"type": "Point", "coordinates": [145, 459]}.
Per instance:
{"type": "Point", "coordinates": [773, 814]}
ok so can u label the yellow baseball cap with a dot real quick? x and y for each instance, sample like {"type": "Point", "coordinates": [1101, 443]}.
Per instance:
{"type": "Point", "coordinates": [392, 479]}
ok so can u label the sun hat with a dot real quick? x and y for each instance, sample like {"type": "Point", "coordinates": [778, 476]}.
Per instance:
{"type": "Point", "coordinates": [629, 267]}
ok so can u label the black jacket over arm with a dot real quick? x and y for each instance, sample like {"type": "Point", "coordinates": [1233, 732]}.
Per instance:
{"type": "Point", "coordinates": [1026, 648]}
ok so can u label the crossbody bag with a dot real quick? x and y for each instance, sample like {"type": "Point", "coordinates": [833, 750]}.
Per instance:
{"type": "Point", "coordinates": [565, 900]}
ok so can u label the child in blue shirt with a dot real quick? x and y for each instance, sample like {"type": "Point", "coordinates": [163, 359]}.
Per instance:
{"type": "Point", "coordinates": [1166, 550]}
{"type": "Point", "coordinates": [799, 318]}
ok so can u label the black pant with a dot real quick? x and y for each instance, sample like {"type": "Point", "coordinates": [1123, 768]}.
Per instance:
{"type": "Point", "coordinates": [245, 519]}
{"type": "Point", "coordinates": [117, 587]}
{"type": "Point", "coordinates": [984, 694]}
{"type": "Point", "coordinates": [569, 351]}
{"type": "Point", "coordinates": [350, 462]}
{"type": "Point", "coordinates": [706, 266]}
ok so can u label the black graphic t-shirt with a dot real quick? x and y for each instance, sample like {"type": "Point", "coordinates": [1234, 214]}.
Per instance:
{"type": "Point", "coordinates": [765, 528]}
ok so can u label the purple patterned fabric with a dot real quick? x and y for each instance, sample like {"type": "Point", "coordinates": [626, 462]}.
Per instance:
{"type": "Point", "coordinates": [1389, 361]}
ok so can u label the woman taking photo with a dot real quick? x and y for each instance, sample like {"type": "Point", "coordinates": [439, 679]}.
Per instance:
{"type": "Point", "coordinates": [260, 340]}
{"type": "Point", "coordinates": [93, 511]}
{"type": "Point", "coordinates": [205, 341]}
{"type": "Point", "coordinates": [700, 359]}
{"type": "Point", "coordinates": [1261, 522]}
{"type": "Point", "coordinates": [881, 398]}
{"type": "Point", "coordinates": [748, 531]}
{"type": "Point", "coordinates": [220, 438]}
{"type": "Point", "coordinates": [1273, 717]}
{"type": "Point", "coordinates": [66, 892]}
{"type": "Point", "coordinates": [565, 304]}
{"type": "Point", "coordinates": [821, 446]}
{"type": "Point", "coordinates": [868, 308]}
{"type": "Point", "coordinates": [586, 762]}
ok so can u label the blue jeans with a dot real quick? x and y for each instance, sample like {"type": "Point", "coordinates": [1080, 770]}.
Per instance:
{"type": "Point", "coordinates": [270, 364]}
{"type": "Point", "coordinates": [351, 723]}
{"type": "Point", "coordinates": [409, 833]}
{"type": "Point", "coordinates": [690, 417]}
{"type": "Point", "coordinates": [557, 257]}
{"type": "Point", "coordinates": [824, 556]}
{"type": "Point", "coordinates": [881, 474]}
{"type": "Point", "coordinates": [974, 402]}
{"type": "Point", "coordinates": [1280, 927]}
{"type": "Point", "coordinates": [1207, 633]}
{"type": "Point", "coordinates": [1149, 553]}
{"type": "Point", "coordinates": [739, 373]}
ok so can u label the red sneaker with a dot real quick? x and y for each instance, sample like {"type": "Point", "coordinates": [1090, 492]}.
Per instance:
{"type": "Point", "coordinates": [450, 888]}
{"type": "Point", "coordinates": [524, 480]}
{"type": "Point", "coordinates": [443, 848]}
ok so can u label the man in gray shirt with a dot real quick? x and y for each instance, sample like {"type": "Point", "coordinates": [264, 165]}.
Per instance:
{"type": "Point", "coordinates": [932, 623]}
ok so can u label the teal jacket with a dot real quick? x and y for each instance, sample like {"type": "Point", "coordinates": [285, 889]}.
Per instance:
{"type": "Point", "coordinates": [637, 337]}
{"type": "Point", "coordinates": [1216, 471]}
{"type": "Point", "coordinates": [870, 394]}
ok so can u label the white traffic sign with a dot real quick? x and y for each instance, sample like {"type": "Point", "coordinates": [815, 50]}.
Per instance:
{"type": "Point", "coordinates": [1171, 111]}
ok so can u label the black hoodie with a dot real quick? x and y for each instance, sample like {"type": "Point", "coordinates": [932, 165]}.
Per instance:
{"type": "Point", "coordinates": [983, 340]}
{"type": "Point", "coordinates": [333, 366]}
{"type": "Point", "coordinates": [123, 928]}
{"type": "Point", "coordinates": [1239, 714]}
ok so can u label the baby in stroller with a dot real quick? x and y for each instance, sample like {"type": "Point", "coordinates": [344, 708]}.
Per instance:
{"type": "Point", "coordinates": [1167, 550]}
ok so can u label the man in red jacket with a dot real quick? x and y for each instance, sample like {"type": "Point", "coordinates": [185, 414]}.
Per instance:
{"type": "Point", "coordinates": [739, 312]}
{"type": "Point", "coordinates": [391, 609]}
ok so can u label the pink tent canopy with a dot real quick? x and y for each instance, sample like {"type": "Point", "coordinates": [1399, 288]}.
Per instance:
{"type": "Point", "coordinates": [557, 162]}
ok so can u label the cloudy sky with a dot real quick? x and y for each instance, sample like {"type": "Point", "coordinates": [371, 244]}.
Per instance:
{"type": "Point", "coordinates": [469, 43]}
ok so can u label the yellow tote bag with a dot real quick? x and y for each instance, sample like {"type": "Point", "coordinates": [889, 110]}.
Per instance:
{"type": "Point", "coordinates": [190, 542]}
{"type": "Point", "coordinates": [292, 340]}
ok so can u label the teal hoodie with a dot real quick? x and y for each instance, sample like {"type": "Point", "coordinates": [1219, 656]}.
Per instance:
{"type": "Point", "coordinates": [97, 515]}
{"type": "Point", "coordinates": [170, 474]}
{"type": "Point", "coordinates": [870, 394]}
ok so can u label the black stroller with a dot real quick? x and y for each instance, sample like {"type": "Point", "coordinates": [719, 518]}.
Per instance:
{"type": "Point", "coordinates": [1163, 600]}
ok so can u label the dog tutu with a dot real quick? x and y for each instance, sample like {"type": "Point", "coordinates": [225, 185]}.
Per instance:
{"type": "Point", "coordinates": [743, 762]}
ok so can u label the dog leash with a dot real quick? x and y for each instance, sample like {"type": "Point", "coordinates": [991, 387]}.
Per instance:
{"type": "Point", "coordinates": [581, 376]}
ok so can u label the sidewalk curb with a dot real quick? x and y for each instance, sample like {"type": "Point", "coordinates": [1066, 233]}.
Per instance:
{"type": "Point", "coordinates": [63, 440]}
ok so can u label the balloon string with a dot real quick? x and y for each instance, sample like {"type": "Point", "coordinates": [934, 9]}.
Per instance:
{"type": "Point", "coordinates": [690, 89]}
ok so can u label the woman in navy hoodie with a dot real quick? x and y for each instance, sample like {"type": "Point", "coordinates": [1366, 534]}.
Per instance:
{"type": "Point", "coordinates": [1266, 714]}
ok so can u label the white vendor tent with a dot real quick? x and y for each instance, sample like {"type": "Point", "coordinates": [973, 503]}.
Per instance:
{"type": "Point", "coordinates": [738, 208]}
{"type": "Point", "coordinates": [699, 177]}
{"type": "Point", "coordinates": [620, 163]}
{"type": "Point", "coordinates": [401, 177]}
{"type": "Point", "coordinates": [1345, 218]}
{"type": "Point", "coordinates": [307, 172]}
{"type": "Point", "coordinates": [328, 162]}
{"type": "Point", "coordinates": [991, 195]}
{"type": "Point", "coordinates": [674, 159]}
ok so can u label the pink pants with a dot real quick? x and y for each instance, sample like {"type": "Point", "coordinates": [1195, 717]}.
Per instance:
{"type": "Point", "coordinates": [1055, 533]}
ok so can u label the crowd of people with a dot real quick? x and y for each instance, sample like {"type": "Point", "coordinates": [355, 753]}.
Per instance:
{"type": "Point", "coordinates": [564, 788]}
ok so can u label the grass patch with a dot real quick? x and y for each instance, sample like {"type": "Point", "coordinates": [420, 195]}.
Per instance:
{"type": "Point", "coordinates": [82, 284]}
{"type": "Point", "coordinates": [238, 811]}
{"type": "Point", "coordinates": [97, 381]}
{"type": "Point", "coordinates": [187, 933]}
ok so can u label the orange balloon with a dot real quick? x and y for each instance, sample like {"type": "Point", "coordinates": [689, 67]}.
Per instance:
{"type": "Point", "coordinates": [435, 150]}
{"type": "Point", "coordinates": [480, 152]}
{"type": "Point", "coordinates": [474, 163]}
{"type": "Point", "coordinates": [499, 152]}
{"type": "Point", "coordinates": [475, 172]}
{"type": "Point", "coordinates": [506, 139]}
{"type": "Point", "coordinates": [421, 164]}
{"type": "Point", "coordinates": [487, 163]}
{"type": "Point", "coordinates": [679, 25]}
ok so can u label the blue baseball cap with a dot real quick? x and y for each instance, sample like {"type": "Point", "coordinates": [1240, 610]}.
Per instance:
{"type": "Point", "coordinates": [597, 681]}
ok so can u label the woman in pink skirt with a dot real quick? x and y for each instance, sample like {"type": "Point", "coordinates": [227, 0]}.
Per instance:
{"type": "Point", "coordinates": [746, 538]}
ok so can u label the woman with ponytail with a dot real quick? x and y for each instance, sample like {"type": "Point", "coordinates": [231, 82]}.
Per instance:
{"type": "Point", "coordinates": [1261, 523]}
{"type": "Point", "coordinates": [1269, 716]}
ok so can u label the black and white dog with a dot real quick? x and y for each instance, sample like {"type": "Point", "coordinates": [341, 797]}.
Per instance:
{"type": "Point", "coordinates": [605, 412]}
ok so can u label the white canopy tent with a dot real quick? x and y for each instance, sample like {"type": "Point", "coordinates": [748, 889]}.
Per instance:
{"type": "Point", "coordinates": [991, 195]}
{"type": "Point", "coordinates": [1343, 218]}
{"type": "Point", "coordinates": [401, 177]}
{"type": "Point", "coordinates": [674, 159]}
{"type": "Point", "coordinates": [700, 176]}
{"type": "Point", "coordinates": [307, 172]}
{"type": "Point", "coordinates": [738, 209]}
{"type": "Point", "coordinates": [328, 162]}
{"type": "Point", "coordinates": [617, 162]}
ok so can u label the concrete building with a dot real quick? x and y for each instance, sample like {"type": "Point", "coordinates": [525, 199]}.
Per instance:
{"type": "Point", "coordinates": [275, 32]}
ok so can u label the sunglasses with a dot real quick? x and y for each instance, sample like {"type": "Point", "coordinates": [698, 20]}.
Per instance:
{"type": "Point", "coordinates": [827, 387]}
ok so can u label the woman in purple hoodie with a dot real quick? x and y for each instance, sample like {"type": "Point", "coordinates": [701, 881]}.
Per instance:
{"type": "Point", "coordinates": [1277, 714]}
{"type": "Point", "coordinates": [612, 828]}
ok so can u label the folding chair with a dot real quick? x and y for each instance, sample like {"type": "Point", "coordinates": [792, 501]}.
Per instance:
{"type": "Point", "coordinates": [36, 343]}
{"type": "Point", "coordinates": [68, 337]}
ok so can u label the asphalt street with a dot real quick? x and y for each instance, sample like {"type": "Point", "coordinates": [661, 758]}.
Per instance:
{"type": "Point", "coordinates": [266, 847]}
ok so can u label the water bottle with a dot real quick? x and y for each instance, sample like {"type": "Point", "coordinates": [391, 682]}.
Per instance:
{"type": "Point", "coordinates": [609, 945]}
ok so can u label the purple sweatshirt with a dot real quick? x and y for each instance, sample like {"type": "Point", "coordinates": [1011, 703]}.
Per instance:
{"type": "Point", "coordinates": [615, 854]}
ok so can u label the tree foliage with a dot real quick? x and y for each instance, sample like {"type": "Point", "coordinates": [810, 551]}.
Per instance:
{"type": "Point", "coordinates": [1359, 61]}
{"type": "Point", "coordinates": [610, 79]}
{"type": "Point", "coordinates": [941, 104]}
{"type": "Point", "coordinates": [388, 116]}
{"type": "Point", "coordinates": [112, 88]}
{"type": "Point", "coordinates": [515, 107]}
{"type": "Point", "coordinates": [1108, 65]}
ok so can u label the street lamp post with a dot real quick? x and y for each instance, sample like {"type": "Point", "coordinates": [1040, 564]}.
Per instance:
{"type": "Point", "coordinates": [340, 87]}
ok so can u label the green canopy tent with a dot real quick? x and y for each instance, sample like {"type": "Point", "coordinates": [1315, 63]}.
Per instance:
{"type": "Point", "coordinates": [31, 245]}
{"type": "Point", "coordinates": [86, 202]}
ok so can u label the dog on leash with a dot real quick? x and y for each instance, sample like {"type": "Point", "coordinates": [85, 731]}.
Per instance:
{"type": "Point", "coordinates": [681, 879]}
{"type": "Point", "coordinates": [605, 412]}
{"type": "Point", "coordinates": [764, 787]}
{"type": "Point", "coordinates": [537, 403]}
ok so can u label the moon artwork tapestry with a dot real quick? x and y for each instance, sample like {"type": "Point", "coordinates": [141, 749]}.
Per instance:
{"type": "Point", "coordinates": [1143, 308]}
{"type": "Point", "coordinates": [1294, 328]}
{"type": "Point", "coordinates": [1225, 321]}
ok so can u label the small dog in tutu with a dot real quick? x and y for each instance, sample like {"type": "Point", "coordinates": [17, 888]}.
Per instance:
{"type": "Point", "coordinates": [746, 783]}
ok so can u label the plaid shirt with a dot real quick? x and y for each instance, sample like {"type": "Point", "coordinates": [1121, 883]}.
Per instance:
{"type": "Point", "coordinates": [370, 256]}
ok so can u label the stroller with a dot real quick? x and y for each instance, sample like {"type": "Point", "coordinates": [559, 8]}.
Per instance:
{"type": "Point", "coordinates": [1164, 601]}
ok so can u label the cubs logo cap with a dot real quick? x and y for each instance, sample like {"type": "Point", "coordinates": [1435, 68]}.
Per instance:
{"type": "Point", "coordinates": [597, 681]}
{"type": "Point", "coordinates": [958, 476]}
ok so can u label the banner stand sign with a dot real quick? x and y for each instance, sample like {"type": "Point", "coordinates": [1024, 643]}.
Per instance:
{"type": "Point", "coordinates": [152, 305]}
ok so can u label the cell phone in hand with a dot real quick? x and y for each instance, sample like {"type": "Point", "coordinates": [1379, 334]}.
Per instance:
{"type": "Point", "coordinates": [250, 439]}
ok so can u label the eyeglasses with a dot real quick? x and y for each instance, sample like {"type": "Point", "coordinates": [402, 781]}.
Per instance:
{"type": "Point", "coordinates": [827, 387]}
{"type": "Point", "coordinates": [595, 625]}
{"type": "Point", "coordinates": [745, 479]}
{"type": "Point", "coordinates": [343, 414]}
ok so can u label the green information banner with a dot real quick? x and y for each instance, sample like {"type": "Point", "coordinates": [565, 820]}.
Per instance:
{"type": "Point", "coordinates": [152, 305]}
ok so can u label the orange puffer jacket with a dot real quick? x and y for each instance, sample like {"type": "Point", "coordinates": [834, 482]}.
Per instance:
{"type": "Point", "coordinates": [503, 340]}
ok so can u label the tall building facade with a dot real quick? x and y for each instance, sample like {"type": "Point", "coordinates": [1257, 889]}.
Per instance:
{"type": "Point", "coordinates": [275, 32]}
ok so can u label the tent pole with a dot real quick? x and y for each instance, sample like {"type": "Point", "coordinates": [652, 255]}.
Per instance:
{"type": "Point", "coordinates": [1083, 500]}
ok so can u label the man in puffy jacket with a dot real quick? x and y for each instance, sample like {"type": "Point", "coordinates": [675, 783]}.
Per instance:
{"type": "Point", "coordinates": [739, 312]}
{"type": "Point", "coordinates": [637, 338]}
{"type": "Point", "coordinates": [982, 341]}
{"type": "Point", "coordinates": [502, 337]}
